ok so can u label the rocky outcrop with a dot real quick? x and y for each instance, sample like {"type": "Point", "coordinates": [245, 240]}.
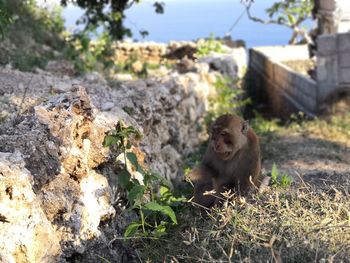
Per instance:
{"type": "Point", "coordinates": [58, 184]}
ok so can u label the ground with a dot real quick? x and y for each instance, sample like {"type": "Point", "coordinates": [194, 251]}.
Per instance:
{"type": "Point", "coordinates": [302, 66]}
{"type": "Point", "coordinates": [306, 221]}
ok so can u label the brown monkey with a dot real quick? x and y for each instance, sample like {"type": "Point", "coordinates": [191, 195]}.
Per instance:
{"type": "Point", "coordinates": [232, 160]}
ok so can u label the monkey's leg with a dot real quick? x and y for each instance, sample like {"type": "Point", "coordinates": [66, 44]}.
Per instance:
{"type": "Point", "coordinates": [200, 198]}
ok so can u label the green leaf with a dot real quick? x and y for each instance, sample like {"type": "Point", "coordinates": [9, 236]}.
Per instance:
{"type": "Point", "coordinates": [131, 229]}
{"type": "Point", "coordinates": [291, 19]}
{"type": "Point", "coordinates": [136, 193]}
{"type": "Point", "coordinates": [161, 179]}
{"type": "Point", "coordinates": [109, 140]}
{"type": "Point", "coordinates": [133, 159]}
{"type": "Point", "coordinates": [160, 230]}
{"type": "Point", "coordinates": [124, 178]}
{"type": "Point", "coordinates": [164, 209]}
{"type": "Point", "coordinates": [274, 174]}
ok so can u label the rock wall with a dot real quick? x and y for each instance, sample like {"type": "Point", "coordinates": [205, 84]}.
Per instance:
{"type": "Point", "coordinates": [152, 52]}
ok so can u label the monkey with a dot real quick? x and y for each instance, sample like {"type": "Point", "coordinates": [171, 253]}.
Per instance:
{"type": "Point", "coordinates": [231, 161]}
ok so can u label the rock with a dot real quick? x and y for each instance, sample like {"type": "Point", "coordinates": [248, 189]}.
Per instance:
{"type": "Point", "coordinates": [232, 65]}
{"type": "Point", "coordinates": [61, 68]}
{"type": "Point", "coordinates": [61, 141]}
{"type": "Point", "coordinates": [123, 77]}
{"type": "Point", "coordinates": [27, 236]}
{"type": "Point", "coordinates": [53, 133]}
{"type": "Point", "coordinates": [137, 66]}
{"type": "Point", "coordinates": [107, 106]}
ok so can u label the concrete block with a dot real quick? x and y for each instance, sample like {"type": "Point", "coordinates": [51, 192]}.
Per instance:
{"type": "Point", "coordinates": [269, 69]}
{"type": "Point", "coordinates": [344, 59]}
{"type": "Point", "coordinates": [308, 87]}
{"type": "Point", "coordinates": [343, 42]}
{"type": "Point", "coordinates": [326, 45]}
{"type": "Point", "coordinates": [324, 89]}
{"type": "Point", "coordinates": [344, 76]}
{"type": "Point", "coordinates": [308, 102]}
{"type": "Point", "coordinates": [327, 69]}
{"type": "Point", "coordinates": [321, 68]}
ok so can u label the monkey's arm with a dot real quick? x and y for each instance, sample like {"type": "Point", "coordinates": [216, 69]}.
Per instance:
{"type": "Point", "coordinates": [204, 176]}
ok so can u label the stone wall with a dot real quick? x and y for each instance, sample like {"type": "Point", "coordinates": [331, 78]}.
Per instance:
{"type": "Point", "coordinates": [333, 64]}
{"type": "Point", "coordinates": [286, 90]}
{"type": "Point", "coordinates": [152, 52]}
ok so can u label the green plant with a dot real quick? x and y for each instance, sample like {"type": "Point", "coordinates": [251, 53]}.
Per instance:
{"type": "Point", "coordinates": [205, 47]}
{"type": "Point", "coordinates": [5, 18]}
{"type": "Point", "coordinates": [279, 180]}
{"type": "Point", "coordinates": [152, 198]}
{"type": "Point", "coordinates": [89, 54]}
{"type": "Point", "coordinates": [226, 100]}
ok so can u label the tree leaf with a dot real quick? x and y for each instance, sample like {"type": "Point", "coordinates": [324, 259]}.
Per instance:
{"type": "Point", "coordinates": [164, 209]}
{"type": "Point", "coordinates": [131, 229]}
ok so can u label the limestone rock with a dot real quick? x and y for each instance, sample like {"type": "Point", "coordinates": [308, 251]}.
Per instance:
{"type": "Point", "coordinates": [26, 235]}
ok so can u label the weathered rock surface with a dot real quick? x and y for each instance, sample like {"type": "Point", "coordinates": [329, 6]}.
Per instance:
{"type": "Point", "coordinates": [57, 181]}
{"type": "Point", "coordinates": [24, 228]}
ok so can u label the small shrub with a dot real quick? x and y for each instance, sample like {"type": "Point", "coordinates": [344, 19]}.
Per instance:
{"type": "Point", "coordinates": [152, 198]}
{"type": "Point", "coordinates": [227, 99]}
{"type": "Point", "coordinates": [205, 47]}
{"type": "Point", "coordinates": [279, 180]}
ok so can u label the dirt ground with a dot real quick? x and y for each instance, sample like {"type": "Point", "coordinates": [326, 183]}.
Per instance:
{"type": "Point", "coordinates": [317, 151]}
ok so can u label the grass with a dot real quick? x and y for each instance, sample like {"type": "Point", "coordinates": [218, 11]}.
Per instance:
{"type": "Point", "coordinates": [307, 221]}
{"type": "Point", "coordinates": [300, 224]}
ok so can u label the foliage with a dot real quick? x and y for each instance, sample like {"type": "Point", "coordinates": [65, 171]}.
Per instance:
{"type": "Point", "coordinates": [109, 15]}
{"type": "Point", "coordinates": [88, 54]}
{"type": "Point", "coordinates": [290, 13]}
{"type": "Point", "coordinates": [226, 100]}
{"type": "Point", "coordinates": [5, 18]}
{"type": "Point", "coordinates": [152, 198]}
{"type": "Point", "coordinates": [205, 47]}
{"type": "Point", "coordinates": [279, 180]}
{"type": "Point", "coordinates": [36, 35]}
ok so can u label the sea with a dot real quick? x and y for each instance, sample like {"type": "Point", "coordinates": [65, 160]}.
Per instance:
{"type": "Point", "coordinates": [185, 20]}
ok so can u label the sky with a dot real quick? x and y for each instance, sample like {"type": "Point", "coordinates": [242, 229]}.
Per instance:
{"type": "Point", "coordinates": [193, 19]}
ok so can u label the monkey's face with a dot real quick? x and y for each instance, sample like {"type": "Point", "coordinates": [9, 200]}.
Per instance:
{"type": "Point", "coordinates": [228, 136]}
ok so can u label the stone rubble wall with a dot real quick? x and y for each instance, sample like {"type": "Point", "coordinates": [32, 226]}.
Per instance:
{"type": "Point", "coordinates": [333, 64]}
{"type": "Point", "coordinates": [287, 91]}
{"type": "Point", "coordinates": [151, 52]}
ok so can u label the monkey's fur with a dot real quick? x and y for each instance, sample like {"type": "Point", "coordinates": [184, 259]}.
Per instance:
{"type": "Point", "coordinates": [232, 161]}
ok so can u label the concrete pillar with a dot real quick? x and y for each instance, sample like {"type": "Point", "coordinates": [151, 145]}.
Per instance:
{"type": "Point", "coordinates": [333, 16]}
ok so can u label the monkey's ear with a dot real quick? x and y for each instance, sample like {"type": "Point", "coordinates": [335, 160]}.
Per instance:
{"type": "Point", "coordinates": [245, 127]}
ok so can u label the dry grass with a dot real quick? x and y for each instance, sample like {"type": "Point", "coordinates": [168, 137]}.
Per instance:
{"type": "Point", "coordinates": [307, 222]}
{"type": "Point", "coordinates": [299, 224]}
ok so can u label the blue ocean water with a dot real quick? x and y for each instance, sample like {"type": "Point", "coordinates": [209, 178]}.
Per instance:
{"type": "Point", "coordinates": [190, 20]}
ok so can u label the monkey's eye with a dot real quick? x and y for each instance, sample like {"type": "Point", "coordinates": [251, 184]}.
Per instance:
{"type": "Point", "coordinates": [223, 133]}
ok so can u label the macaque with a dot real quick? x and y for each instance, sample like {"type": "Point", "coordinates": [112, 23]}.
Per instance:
{"type": "Point", "coordinates": [232, 161]}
